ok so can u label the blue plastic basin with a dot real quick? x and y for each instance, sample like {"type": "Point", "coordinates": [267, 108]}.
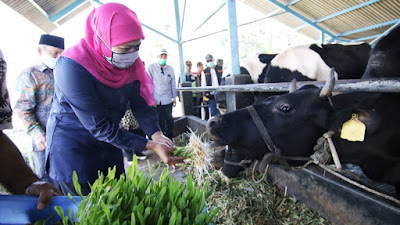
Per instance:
{"type": "Point", "coordinates": [21, 209]}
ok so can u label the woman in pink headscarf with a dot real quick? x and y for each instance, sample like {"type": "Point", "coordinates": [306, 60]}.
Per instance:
{"type": "Point", "coordinates": [94, 82]}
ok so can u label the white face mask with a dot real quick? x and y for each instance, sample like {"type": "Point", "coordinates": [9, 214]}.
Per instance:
{"type": "Point", "coordinates": [122, 61]}
{"type": "Point", "coordinates": [48, 60]}
{"type": "Point", "coordinates": [119, 60]}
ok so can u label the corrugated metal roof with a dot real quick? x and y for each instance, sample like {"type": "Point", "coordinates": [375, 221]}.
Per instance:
{"type": "Point", "coordinates": [350, 20]}
{"type": "Point", "coordinates": [343, 20]}
{"type": "Point", "coordinates": [47, 14]}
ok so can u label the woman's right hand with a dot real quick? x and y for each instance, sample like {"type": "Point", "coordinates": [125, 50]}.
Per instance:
{"type": "Point", "coordinates": [164, 152]}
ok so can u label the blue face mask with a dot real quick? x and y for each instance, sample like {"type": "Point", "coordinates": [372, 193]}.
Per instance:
{"type": "Point", "coordinates": [210, 64]}
{"type": "Point", "coordinates": [162, 62]}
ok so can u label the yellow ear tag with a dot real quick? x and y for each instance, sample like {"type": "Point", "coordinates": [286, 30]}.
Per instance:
{"type": "Point", "coordinates": [353, 130]}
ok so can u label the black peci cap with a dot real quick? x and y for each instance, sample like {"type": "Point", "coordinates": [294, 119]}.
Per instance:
{"type": "Point", "coordinates": [55, 41]}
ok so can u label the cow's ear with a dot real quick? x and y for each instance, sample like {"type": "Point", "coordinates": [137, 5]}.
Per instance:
{"type": "Point", "coordinates": [266, 58]}
{"type": "Point", "coordinates": [370, 119]}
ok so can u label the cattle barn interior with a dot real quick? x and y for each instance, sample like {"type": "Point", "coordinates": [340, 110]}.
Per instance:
{"type": "Point", "coordinates": [325, 21]}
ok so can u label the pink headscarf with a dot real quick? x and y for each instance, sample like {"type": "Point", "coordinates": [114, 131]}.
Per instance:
{"type": "Point", "coordinates": [116, 24]}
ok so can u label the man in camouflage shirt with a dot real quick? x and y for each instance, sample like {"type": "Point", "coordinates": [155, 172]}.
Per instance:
{"type": "Point", "coordinates": [5, 109]}
{"type": "Point", "coordinates": [35, 90]}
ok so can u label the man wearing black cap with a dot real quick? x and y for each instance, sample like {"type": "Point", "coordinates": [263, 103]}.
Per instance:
{"type": "Point", "coordinates": [211, 76]}
{"type": "Point", "coordinates": [35, 89]}
{"type": "Point", "coordinates": [15, 175]}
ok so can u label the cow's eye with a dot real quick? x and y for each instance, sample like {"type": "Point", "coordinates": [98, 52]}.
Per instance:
{"type": "Point", "coordinates": [285, 108]}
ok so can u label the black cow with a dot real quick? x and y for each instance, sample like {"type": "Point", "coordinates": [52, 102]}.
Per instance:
{"type": "Point", "coordinates": [313, 63]}
{"type": "Point", "coordinates": [296, 120]}
{"type": "Point", "coordinates": [254, 67]}
{"type": "Point", "coordinates": [384, 59]}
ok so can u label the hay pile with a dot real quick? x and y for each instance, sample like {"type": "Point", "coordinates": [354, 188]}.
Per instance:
{"type": "Point", "coordinates": [241, 200]}
{"type": "Point", "coordinates": [244, 201]}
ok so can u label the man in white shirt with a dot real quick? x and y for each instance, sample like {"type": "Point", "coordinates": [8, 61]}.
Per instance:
{"type": "Point", "coordinates": [163, 77]}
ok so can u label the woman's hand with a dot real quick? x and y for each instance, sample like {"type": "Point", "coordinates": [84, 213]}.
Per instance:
{"type": "Point", "coordinates": [161, 138]}
{"type": "Point", "coordinates": [163, 147]}
{"type": "Point", "coordinates": [44, 190]}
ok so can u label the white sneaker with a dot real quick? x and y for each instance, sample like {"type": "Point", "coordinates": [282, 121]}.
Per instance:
{"type": "Point", "coordinates": [140, 156]}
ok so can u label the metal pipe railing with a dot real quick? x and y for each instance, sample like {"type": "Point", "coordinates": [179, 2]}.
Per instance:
{"type": "Point", "coordinates": [368, 85]}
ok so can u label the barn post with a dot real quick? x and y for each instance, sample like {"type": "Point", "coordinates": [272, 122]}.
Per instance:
{"type": "Point", "coordinates": [322, 37]}
{"type": "Point", "coordinates": [179, 38]}
{"type": "Point", "coordinates": [234, 46]}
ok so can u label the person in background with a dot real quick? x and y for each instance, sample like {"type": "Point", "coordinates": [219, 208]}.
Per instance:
{"type": "Point", "coordinates": [220, 62]}
{"type": "Point", "coordinates": [163, 77]}
{"type": "Point", "coordinates": [202, 111]}
{"type": "Point", "coordinates": [129, 123]}
{"type": "Point", "coordinates": [211, 76]}
{"type": "Point", "coordinates": [34, 96]}
{"type": "Point", "coordinates": [200, 69]}
{"type": "Point", "coordinates": [15, 175]}
{"type": "Point", "coordinates": [94, 82]}
{"type": "Point", "coordinates": [192, 78]}
{"type": "Point", "coordinates": [189, 75]}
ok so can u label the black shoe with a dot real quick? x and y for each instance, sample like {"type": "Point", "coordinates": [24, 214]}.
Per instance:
{"type": "Point", "coordinates": [128, 154]}
{"type": "Point", "coordinates": [140, 156]}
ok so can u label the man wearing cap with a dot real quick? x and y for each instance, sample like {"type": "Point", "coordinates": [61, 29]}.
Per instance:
{"type": "Point", "coordinates": [15, 175]}
{"type": "Point", "coordinates": [211, 76]}
{"type": "Point", "coordinates": [193, 79]}
{"type": "Point", "coordinates": [163, 77]}
{"type": "Point", "coordinates": [190, 77]}
{"type": "Point", "coordinates": [35, 89]}
{"type": "Point", "coordinates": [220, 62]}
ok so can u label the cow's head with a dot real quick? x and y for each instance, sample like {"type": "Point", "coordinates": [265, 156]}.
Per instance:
{"type": "Point", "coordinates": [294, 121]}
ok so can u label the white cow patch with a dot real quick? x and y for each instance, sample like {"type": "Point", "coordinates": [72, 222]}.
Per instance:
{"type": "Point", "coordinates": [254, 66]}
{"type": "Point", "coordinates": [304, 60]}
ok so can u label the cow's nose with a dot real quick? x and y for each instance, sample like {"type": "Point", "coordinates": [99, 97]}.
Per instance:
{"type": "Point", "coordinates": [214, 121]}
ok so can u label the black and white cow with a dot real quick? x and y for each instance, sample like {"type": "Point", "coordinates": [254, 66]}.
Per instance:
{"type": "Point", "coordinates": [385, 56]}
{"type": "Point", "coordinates": [255, 66]}
{"type": "Point", "coordinates": [296, 120]}
{"type": "Point", "coordinates": [313, 63]}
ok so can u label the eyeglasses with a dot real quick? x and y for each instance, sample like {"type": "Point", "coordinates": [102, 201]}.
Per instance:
{"type": "Point", "coordinates": [162, 71]}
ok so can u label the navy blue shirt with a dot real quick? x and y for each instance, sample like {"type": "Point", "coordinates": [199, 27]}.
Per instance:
{"type": "Point", "coordinates": [83, 131]}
